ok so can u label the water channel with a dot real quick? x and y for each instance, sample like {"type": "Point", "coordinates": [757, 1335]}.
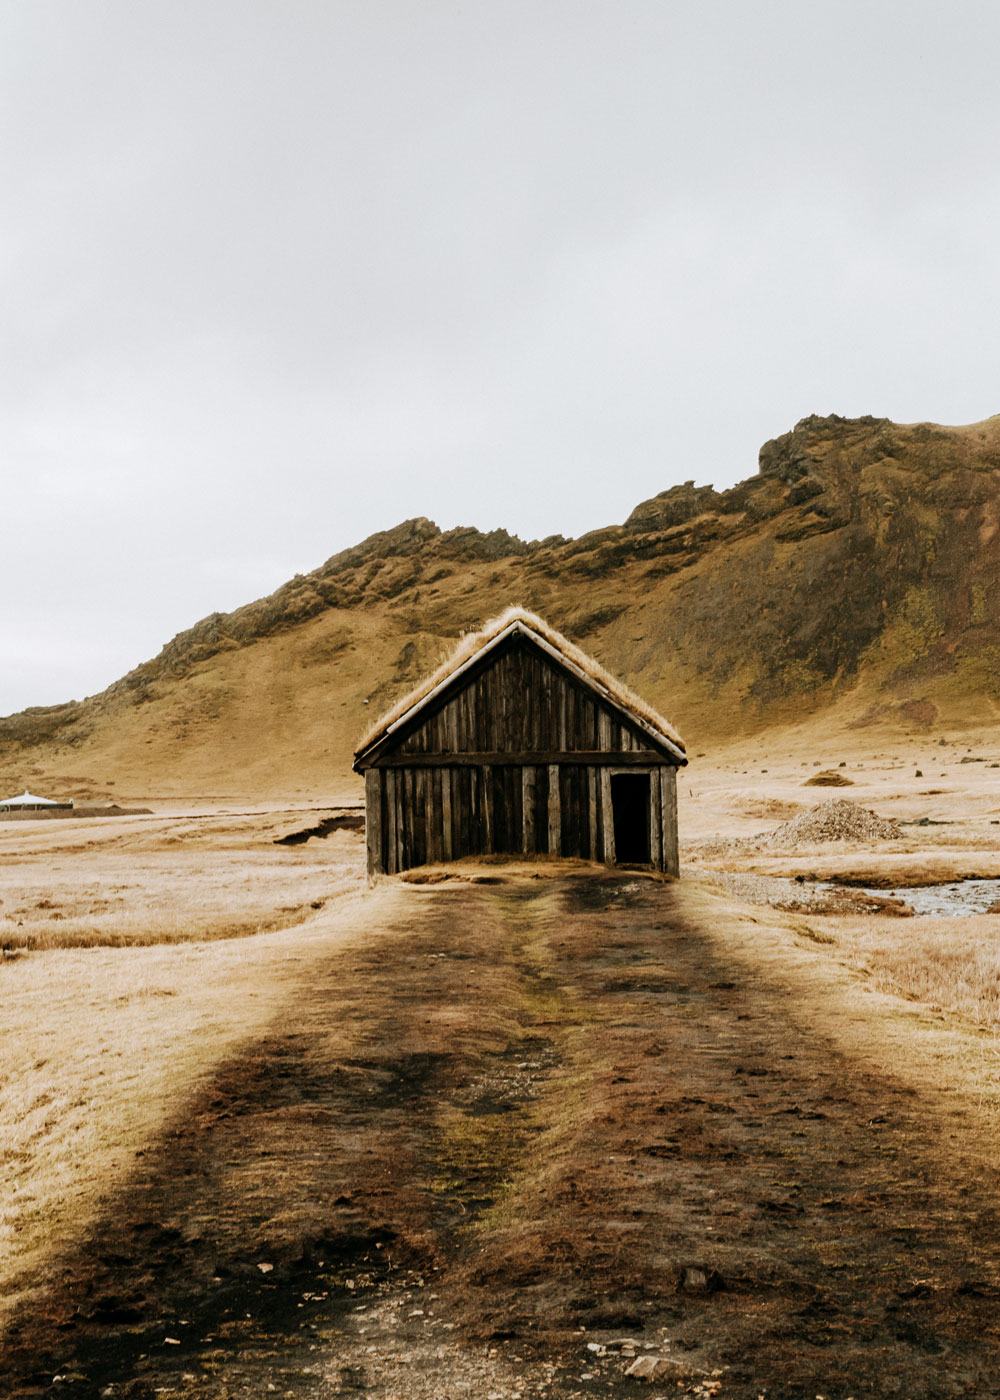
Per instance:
{"type": "Point", "coordinates": [940, 901]}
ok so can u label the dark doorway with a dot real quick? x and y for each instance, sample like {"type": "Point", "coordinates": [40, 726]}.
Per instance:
{"type": "Point", "coordinates": [630, 807]}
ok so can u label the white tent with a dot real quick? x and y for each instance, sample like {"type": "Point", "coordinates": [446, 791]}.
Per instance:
{"type": "Point", "coordinates": [28, 799]}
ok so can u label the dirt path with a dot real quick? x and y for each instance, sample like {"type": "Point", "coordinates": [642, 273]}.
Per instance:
{"type": "Point", "coordinates": [537, 1128]}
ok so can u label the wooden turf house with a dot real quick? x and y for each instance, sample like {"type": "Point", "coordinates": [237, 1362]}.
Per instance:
{"type": "Point", "coordinates": [520, 744]}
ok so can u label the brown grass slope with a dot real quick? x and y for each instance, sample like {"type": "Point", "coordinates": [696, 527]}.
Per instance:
{"type": "Point", "coordinates": [857, 574]}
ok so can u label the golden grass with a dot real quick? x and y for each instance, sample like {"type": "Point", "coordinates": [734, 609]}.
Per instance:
{"type": "Point", "coordinates": [952, 964]}
{"type": "Point", "coordinates": [103, 1046]}
{"type": "Point", "coordinates": [163, 880]}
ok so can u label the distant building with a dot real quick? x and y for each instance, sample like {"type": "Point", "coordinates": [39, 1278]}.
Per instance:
{"type": "Point", "coordinates": [28, 802]}
{"type": "Point", "coordinates": [521, 744]}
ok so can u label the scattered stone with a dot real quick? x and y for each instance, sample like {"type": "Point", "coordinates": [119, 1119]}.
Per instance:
{"type": "Point", "coordinates": [698, 1278]}
{"type": "Point", "coordinates": [649, 1368]}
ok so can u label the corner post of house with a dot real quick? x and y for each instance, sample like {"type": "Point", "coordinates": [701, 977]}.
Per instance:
{"type": "Point", "coordinates": [668, 816]}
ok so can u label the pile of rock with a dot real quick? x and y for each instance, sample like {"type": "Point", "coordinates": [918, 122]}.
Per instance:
{"type": "Point", "coordinates": [836, 820]}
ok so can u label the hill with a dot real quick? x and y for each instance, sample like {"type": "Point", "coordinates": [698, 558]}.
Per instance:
{"type": "Point", "coordinates": [854, 576]}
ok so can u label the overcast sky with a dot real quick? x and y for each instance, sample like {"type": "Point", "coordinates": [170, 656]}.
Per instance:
{"type": "Point", "coordinates": [280, 273]}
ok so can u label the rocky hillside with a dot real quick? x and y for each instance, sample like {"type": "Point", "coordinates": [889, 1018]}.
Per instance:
{"type": "Point", "coordinates": [859, 569]}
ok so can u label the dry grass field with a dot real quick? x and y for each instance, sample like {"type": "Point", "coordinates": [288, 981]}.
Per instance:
{"type": "Point", "coordinates": [266, 1131]}
{"type": "Point", "coordinates": [151, 880]}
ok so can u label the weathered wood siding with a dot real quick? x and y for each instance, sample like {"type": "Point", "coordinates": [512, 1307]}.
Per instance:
{"type": "Point", "coordinates": [518, 760]}
{"type": "Point", "coordinates": [519, 702]}
{"type": "Point", "coordinates": [422, 815]}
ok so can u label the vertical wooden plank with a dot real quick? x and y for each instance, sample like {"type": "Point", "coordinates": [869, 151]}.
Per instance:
{"type": "Point", "coordinates": [469, 831]}
{"type": "Point", "coordinates": [507, 696]}
{"type": "Point", "coordinates": [399, 794]}
{"type": "Point", "coordinates": [668, 817]}
{"type": "Point", "coordinates": [484, 715]}
{"type": "Point", "coordinates": [555, 812]}
{"type": "Point", "coordinates": [570, 808]}
{"type": "Point", "coordinates": [415, 816]}
{"type": "Point", "coordinates": [373, 820]}
{"type": "Point", "coordinates": [400, 776]}
{"type": "Point", "coordinates": [433, 823]}
{"type": "Point", "coordinates": [528, 809]}
{"type": "Point", "coordinates": [592, 813]}
{"type": "Point", "coordinates": [603, 730]}
{"type": "Point", "coordinates": [389, 855]}
{"type": "Point", "coordinates": [475, 714]}
{"type": "Point", "coordinates": [523, 703]}
{"type": "Point", "coordinates": [390, 798]}
{"type": "Point", "coordinates": [504, 788]}
{"type": "Point", "coordinates": [501, 808]}
{"type": "Point", "coordinates": [446, 846]}
{"type": "Point", "coordinates": [655, 826]}
{"type": "Point", "coordinates": [408, 813]}
{"type": "Point", "coordinates": [490, 735]}
{"type": "Point", "coordinates": [561, 745]}
{"type": "Point", "coordinates": [486, 802]}
{"type": "Point", "coordinates": [607, 819]}
{"type": "Point", "coordinates": [459, 813]}
{"type": "Point", "coordinates": [531, 694]}
{"type": "Point", "coordinates": [426, 803]}
{"type": "Point", "coordinates": [498, 812]}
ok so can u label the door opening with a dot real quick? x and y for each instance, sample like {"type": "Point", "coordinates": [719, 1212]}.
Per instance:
{"type": "Point", "coordinates": [630, 810]}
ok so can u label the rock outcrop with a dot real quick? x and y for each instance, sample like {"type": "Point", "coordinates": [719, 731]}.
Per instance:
{"type": "Point", "coordinates": [862, 559]}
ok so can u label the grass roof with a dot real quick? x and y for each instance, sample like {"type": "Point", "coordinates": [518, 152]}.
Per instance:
{"type": "Point", "coordinates": [473, 643]}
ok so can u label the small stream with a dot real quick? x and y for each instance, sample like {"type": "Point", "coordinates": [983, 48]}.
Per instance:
{"type": "Point", "coordinates": [941, 901]}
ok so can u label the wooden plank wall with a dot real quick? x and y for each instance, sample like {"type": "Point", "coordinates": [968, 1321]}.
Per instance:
{"type": "Point", "coordinates": [520, 703]}
{"type": "Point", "coordinates": [428, 814]}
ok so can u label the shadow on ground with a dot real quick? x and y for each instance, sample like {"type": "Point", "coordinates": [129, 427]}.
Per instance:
{"type": "Point", "coordinates": [527, 1131]}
